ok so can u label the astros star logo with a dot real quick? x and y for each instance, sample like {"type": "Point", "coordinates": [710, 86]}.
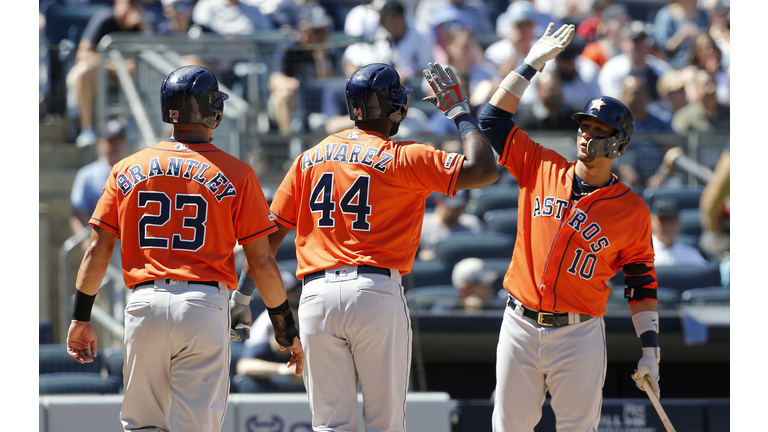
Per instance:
{"type": "Point", "coordinates": [596, 104]}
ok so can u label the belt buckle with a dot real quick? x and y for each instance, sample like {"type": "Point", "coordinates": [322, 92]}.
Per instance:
{"type": "Point", "coordinates": [542, 315]}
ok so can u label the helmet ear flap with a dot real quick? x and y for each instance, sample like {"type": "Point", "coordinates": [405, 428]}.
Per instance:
{"type": "Point", "coordinates": [190, 95]}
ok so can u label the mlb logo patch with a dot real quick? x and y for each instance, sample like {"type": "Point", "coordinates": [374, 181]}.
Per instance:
{"type": "Point", "coordinates": [341, 273]}
{"type": "Point", "coordinates": [181, 146]}
{"type": "Point", "coordinates": [354, 135]}
{"type": "Point", "coordinates": [169, 281]}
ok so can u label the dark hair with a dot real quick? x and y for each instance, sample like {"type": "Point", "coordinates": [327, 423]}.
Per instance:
{"type": "Point", "coordinates": [392, 7]}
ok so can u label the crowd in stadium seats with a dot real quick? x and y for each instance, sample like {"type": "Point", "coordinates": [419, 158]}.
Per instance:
{"type": "Point", "coordinates": [670, 64]}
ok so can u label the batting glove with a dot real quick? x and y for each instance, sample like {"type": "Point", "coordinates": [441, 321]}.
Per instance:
{"type": "Point", "coordinates": [648, 366]}
{"type": "Point", "coordinates": [449, 96]}
{"type": "Point", "coordinates": [549, 45]}
{"type": "Point", "coordinates": [240, 315]}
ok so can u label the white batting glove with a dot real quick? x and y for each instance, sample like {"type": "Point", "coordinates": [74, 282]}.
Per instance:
{"type": "Point", "coordinates": [449, 97]}
{"type": "Point", "coordinates": [648, 366]}
{"type": "Point", "coordinates": [240, 315]}
{"type": "Point", "coordinates": [549, 45]}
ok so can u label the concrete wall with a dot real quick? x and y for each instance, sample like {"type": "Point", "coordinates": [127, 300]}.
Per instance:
{"type": "Point", "coordinates": [245, 413]}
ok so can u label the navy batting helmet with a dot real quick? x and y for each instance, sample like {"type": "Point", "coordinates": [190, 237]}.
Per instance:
{"type": "Point", "coordinates": [374, 92]}
{"type": "Point", "coordinates": [617, 115]}
{"type": "Point", "coordinates": [189, 95]}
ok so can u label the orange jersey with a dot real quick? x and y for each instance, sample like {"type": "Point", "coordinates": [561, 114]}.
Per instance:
{"type": "Point", "coordinates": [179, 210]}
{"type": "Point", "coordinates": [566, 250]}
{"type": "Point", "coordinates": [358, 198]}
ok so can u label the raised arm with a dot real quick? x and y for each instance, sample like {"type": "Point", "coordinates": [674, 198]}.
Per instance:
{"type": "Point", "coordinates": [479, 167]}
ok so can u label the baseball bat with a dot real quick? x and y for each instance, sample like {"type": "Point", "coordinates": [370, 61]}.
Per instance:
{"type": "Point", "coordinates": [656, 404]}
{"type": "Point", "coordinates": [675, 159]}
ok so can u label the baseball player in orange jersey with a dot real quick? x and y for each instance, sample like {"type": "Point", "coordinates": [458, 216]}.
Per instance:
{"type": "Point", "coordinates": [178, 209]}
{"type": "Point", "coordinates": [356, 201]}
{"type": "Point", "coordinates": [578, 225]}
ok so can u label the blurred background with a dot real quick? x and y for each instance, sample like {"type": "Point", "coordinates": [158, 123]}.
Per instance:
{"type": "Point", "coordinates": [284, 64]}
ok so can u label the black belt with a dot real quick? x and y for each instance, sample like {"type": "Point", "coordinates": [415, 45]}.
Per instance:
{"type": "Point", "coordinates": [547, 319]}
{"type": "Point", "coordinates": [361, 269]}
{"type": "Point", "coordinates": [152, 283]}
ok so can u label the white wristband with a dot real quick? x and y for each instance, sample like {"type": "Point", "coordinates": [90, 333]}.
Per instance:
{"type": "Point", "coordinates": [515, 84]}
{"type": "Point", "coordinates": [241, 298]}
{"type": "Point", "coordinates": [645, 321]}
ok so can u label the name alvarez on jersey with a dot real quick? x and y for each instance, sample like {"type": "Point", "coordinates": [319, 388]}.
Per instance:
{"type": "Point", "coordinates": [335, 152]}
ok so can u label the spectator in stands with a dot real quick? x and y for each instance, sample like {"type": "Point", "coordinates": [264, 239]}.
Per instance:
{"type": "Point", "coordinates": [442, 23]}
{"type": "Point", "coordinates": [608, 45]}
{"type": "Point", "coordinates": [672, 96]}
{"type": "Point", "coordinates": [578, 77]}
{"type": "Point", "coordinates": [363, 20]}
{"type": "Point", "coordinates": [635, 58]}
{"type": "Point", "coordinates": [474, 13]}
{"type": "Point", "coordinates": [399, 44]}
{"type": "Point", "coordinates": [645, 156]}
{"type": "Point", "coordinates": [715, 214]}
{"type": "Point", "coordinates": [334, 97]}
{"type": "Point", "coordinates": [465, 56]}
{"type": "Point", "coordinates": [473, 281]}
{"type": "Point", "coordinates": [541, 21]}
{"type": "Point", "coordinates": [230, 17]}
{"type": "Point", "coordinates": [291, 65]}
{"type": "Point", "coordinates": [178, 20]}
{"type": "Point", "coordinates": [90, 179]}
{"type": "Point", "coordinates": [547, 112]}
{"type": "Point", "coordinates": [288, 13]}
{"type": "Point", "coordinates": [705, 54]}
{"type": "Point", "coordinates": [262, 365]}
{"type": "Point", "coordinates": [589, 28]}
{"type": "Point", "coordinates": [449, 217]}
{"type": "Point", "coordinates": [123, 16]}
{"type": "Point", "coordinates": [564, 10]}
{"type": "Point", "coordinates": [703, 113]}
{"type": "Point", "coordinates": [506, 54]}
{"type": "Point", "coordinates": [665, 224]}
{"type": "Point", "coordinates": [674, 28]}
{"type": "Point", "coordinates": [720, 27]}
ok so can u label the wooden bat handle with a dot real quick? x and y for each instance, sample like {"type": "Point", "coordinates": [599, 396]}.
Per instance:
{"type": "Point", "coordinates": [656, 404]}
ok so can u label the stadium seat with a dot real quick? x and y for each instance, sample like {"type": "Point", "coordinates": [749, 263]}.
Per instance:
{"type": "Point", "coordinates": [79, 383]}
{"type": "Point", "coordinates": [426, 273]}
{"type": "Point", "coordinates": [707, 295]}
{"type": "Point", "coordinates": [54, 359]}
{"type": "Point", "coordinates": [287, 249]}
{"type": "Point", "coordinates": [501, 221]}
{"type": "Point", "coordinates": [690, 224]}
{"type": "Point", "coordinates": [46, 331]}
{"type": "Point", "coordinates": [483, 245]}
{"type": "Point", "coordinates": [113, 361]}
{"type": "Point", "coordinates": [493, 197]}
{"type": "Point", "coordinates": [687, 197]}
{"type": "Point", "coordinates": [682, 278]}
{"type": "Point", "coordinates": [422, 298]}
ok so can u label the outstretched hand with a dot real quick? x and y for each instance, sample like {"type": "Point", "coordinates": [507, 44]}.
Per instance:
{"type": "Point", "coordinates": [550, 45]}
{"type": "Point", "coordinates": [297, 355]}
{"type": "Point", "coordinates": [449, 97]}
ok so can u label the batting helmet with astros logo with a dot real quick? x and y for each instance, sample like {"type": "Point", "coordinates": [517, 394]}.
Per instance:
{"type": "Point", "coordinates": [374, 92]}
{"type": "Point", "coordinates": [190, 95]}
{"type": "Point", "coordinates": [618, 116]}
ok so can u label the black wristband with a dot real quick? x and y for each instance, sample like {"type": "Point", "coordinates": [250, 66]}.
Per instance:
{"type": "Point", "coordinates": [283, 324]}
{"type": "Point", "coordinates": [649, 339]}
{"type": "Point", "coordinates": [83, 306]}
{"type": "Point", "coordinates": [526, 71]}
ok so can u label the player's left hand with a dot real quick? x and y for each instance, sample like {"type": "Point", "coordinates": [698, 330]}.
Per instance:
{"type": "Point", "coordinates": [549, 45]}
{"type": "Point", "coordinates": [81, 341]}
{"type": "Point", "coordinates": [297, 355]}
{"type": "Point", "coordinates": [449, 97]}
{"type": "Point", "coordinates": [240, 316]}
{"type": "Point", "coordinates": [648, 366]}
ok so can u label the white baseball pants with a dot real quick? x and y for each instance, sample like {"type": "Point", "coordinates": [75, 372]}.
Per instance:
{"type": "Point", "coordinates": [176, 357]}
{"type": "Point", "coordinates": [568, 361]}
{"type": "Point", "coordinates": [356, 326]}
